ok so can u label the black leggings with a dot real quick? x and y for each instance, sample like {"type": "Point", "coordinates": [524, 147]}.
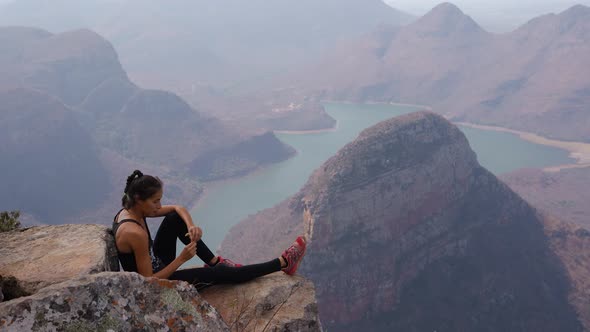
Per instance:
{"type": "Point", "coordinates": [172, 228]}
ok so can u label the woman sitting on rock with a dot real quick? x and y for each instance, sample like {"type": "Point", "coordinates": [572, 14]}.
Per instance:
{"type": "Point", "coordinates": [157, 258]}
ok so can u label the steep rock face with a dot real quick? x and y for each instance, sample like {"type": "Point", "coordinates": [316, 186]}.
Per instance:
{"type": "Point", "coordinates": [271, 303]}
{"type": "Point", "coordinates": [409, 205]}
{"type": "Point", "coordinates": [42, 256]}
{"type": "Point", "coordinates": [409, 233]}
{"type": "Point", "coordinates": [106, 301]}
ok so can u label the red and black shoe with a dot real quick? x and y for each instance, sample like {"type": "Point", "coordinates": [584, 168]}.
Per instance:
{"type": "Point", "coordinates": [293, 255]}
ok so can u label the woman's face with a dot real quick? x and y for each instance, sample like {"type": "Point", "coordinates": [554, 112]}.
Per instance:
{"type": "Point", "coordinates": [150, 206]}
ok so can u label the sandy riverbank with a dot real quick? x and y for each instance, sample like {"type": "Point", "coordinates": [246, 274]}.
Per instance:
{"type": "Point", "coordinates": [577, 150]}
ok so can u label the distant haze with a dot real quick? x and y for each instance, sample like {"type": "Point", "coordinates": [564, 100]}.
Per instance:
{"type": "Point", "coordinates": [493, 15]}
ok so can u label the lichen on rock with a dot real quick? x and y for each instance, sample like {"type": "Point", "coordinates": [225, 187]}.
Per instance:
{"type": "Point", "coordinates": [118, 301]}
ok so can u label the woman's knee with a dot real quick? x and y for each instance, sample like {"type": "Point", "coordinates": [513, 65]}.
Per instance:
{"type": "Point", "coordinates": [173, 217]}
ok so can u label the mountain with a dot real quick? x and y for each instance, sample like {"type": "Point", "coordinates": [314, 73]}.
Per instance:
{"type": "Point", "coordinates": [76, 75]}
{"type": "Point", "coordinates": [67, 65]}
{"type": "Point", "coordinates": [534, 79]}
{"type": "Point", "coordinates": [446, 20]}
{"type": "Point", "coordinates": [81, 69]}
{"type": "Point", "coordinates": [420, 59]}
{"type": "Point", "coordinates": [540, 85]}
{"type": "Point", "coordinates": [184, 43]}
{"type": "Point", "coordinates": [408, 232]}
{"type": "Point", "coordinates": [216, 54]}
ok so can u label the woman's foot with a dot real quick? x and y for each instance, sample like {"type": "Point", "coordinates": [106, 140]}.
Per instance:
{"type": "Point", "coordinates": [293, 255]}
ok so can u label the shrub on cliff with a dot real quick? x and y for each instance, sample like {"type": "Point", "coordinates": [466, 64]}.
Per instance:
{"type": "Point", "coordinates": [9, 220]}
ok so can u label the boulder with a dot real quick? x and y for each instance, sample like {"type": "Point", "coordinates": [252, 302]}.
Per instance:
{"type": "Point", "coordinates": [112, 301]}
{"type": "Point", "coordinates": [46, 255]}
{"type": "Point", "coordinates": [271, 303]}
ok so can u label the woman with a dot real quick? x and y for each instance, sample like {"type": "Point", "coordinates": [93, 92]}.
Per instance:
{"type": "Point", "coordinates": [157, 258]}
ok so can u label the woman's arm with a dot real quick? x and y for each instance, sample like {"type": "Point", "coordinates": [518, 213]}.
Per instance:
{"type": "Point", "coordinates": [138, 242]}
{"type": "Point", "coordinates": [195, 233]}
{"type": "Point", "coordinates": [187, 253]}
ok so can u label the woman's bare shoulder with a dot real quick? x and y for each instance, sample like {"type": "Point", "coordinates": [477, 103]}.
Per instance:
{"type": "Point", "coordinates": [131, 236]}
{"type": "Point", "coordinates": [131, 229]}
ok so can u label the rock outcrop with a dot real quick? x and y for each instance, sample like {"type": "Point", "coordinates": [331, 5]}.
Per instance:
{"type": "Point", "coordinates": [56, 278]}
{"type": "Point", "coordinates": [408, 232]}
{"type": "Point", "coordinates": [270, 303]}
{"type": "Point", "coordinates": [117, 301]}
{"type": "Point", "coordinates": [41, 256]}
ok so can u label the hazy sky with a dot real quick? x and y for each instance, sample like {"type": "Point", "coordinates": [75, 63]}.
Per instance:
{"type": "Point", "coordinates": [493, 15]}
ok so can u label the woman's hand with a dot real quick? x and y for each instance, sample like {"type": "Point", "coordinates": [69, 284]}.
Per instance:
{"type": "Point", "coordinates": [195, 233]}
{"type": "Point", "coordinates": [189, 251]}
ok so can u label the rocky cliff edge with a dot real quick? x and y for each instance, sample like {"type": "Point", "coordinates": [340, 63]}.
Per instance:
{"type": "Point", "coordinates": [62, 278]}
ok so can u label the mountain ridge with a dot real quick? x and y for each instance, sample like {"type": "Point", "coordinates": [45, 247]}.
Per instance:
{"type": "Point", "coordinates": [445, 19]}
{"type": "Point", "coordinates": [532, 79]}
{"type": "Point", "coordinates": [257, 41]}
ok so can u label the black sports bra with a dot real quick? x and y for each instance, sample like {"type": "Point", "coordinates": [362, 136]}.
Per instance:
{"type": "Point", "coordinates": [128, 259]}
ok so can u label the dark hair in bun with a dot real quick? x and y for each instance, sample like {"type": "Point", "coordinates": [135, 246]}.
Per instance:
{"type": "Point", "coordinates": [139, 186]}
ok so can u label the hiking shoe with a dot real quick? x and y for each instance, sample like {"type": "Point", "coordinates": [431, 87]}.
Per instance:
{"type": "Point", "coordinates": [225, 262]}
{"type": "Point", "coordinates": [293, 255]}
